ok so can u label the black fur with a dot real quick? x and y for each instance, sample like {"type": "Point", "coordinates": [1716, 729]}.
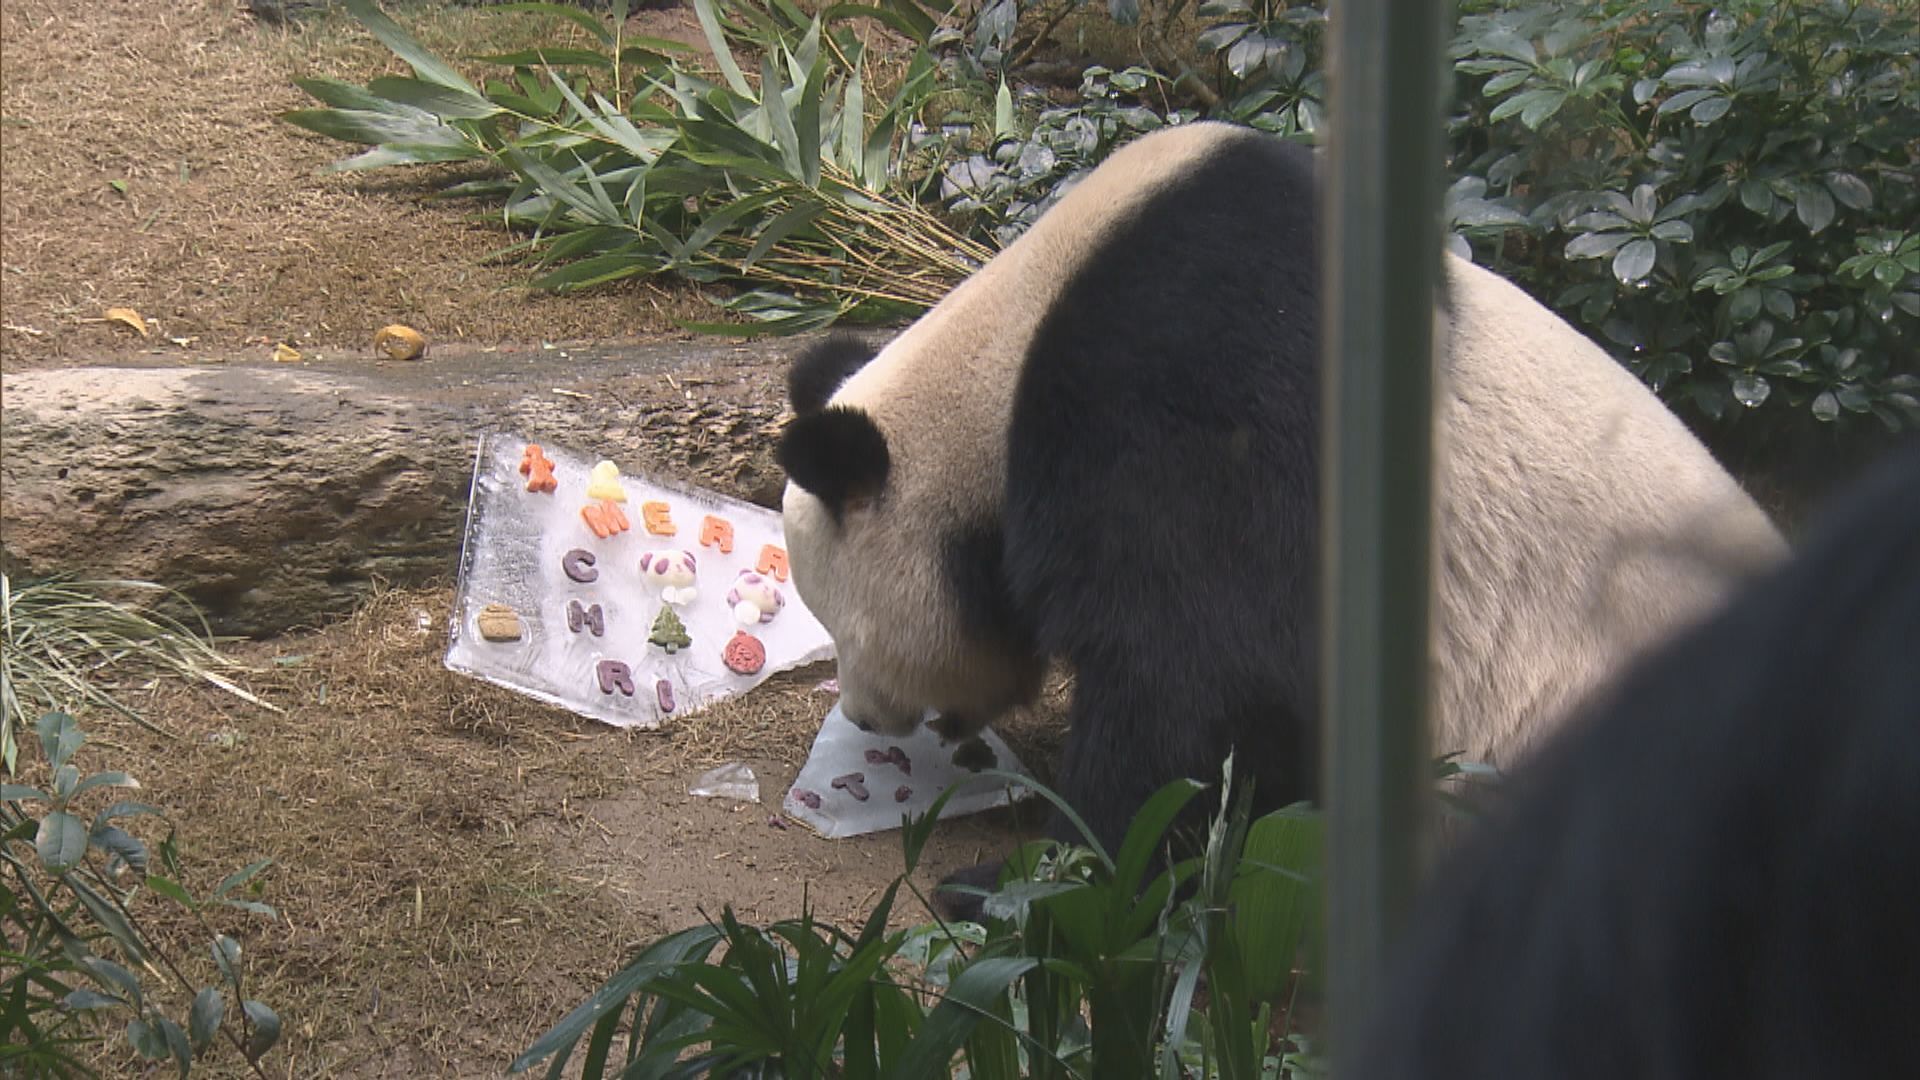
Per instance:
{"type": "Point", "coordinates": [818, 372]}
{"type": "Point", "coordinates": [975, 569]}
{"type": "Point", "coordinates": [1716, 873]}
{"type": "Point", "coordinates": [1162, 491]}
{"type": "Point", "coordinates": [838, 454]}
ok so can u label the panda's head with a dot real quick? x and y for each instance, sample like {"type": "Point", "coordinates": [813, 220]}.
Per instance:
{"type": "Point", "coordinates": [890, 535]}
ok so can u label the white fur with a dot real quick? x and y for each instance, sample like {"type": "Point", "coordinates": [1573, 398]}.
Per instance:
{"type": "Point", "coordinates": [1580, 520]}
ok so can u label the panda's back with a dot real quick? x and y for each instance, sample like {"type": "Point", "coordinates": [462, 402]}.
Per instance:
{"type": "Point", "coordinates": [1581, 520]}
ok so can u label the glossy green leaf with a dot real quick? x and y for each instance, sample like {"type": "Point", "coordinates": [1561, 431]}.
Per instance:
{"type": "Point", "coordinates": [265, 1025]}
{"type": "Point", "coordinates": [84, 1000]}
{"type": "Point", "coordinates": [147, 1039]}
{"type": "Point", "coordinates": [203, 1020]}
{"type": "Point", "coordinates": [1850, 190]}
{"type": "Point", "coordinates": [119, 978]}
{"type": "Point", "coordinates": [1634, 261]}
{"type": "Point", "coordinates": [61, 841]}
{"type": "Point", "coordinates": [121, 844]}
{"type": "Point", "coordinates": [1814, 207]}
{"type": "Point", "coordinates": [226, 956]}
{"type": "Point", "coordinates": [60, 738]}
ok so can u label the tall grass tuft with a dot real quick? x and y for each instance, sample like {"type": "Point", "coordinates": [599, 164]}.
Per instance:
{"type": "Point", "coordinates": [61, 638]}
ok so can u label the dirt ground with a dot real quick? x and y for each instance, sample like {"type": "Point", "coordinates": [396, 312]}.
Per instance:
{"type": "Point", "coordinates": [141, 165]}
{"type": "Point", "coordinates": [457, 866]}
{"type": "Point", "coordinates": [454, 866]}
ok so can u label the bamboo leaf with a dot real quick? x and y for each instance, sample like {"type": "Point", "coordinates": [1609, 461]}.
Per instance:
{"type": "Point", "coordinates": [424, 63]}
{"type": "Point", "coordinates": [901, 18]}
{"type": "Point", "coordinates": [722, 54]}
{"type": "Point", "coordinates": [560, 187]}
{"type": "Point", "coordinates": [972, 996]}
{"type": "Point", "coordinates": [853, 128]}
{"type": "Point", "coordinates": [388, 154]}
{"type": "Point", "coordinates": [345, 95]}
{"type": "Point", "coordinates": [781, 227]}
{"type": "Point", "coordinates": [773, 102]}
{"type": "Point", "coordinates": [547, 56]}
{"type": "Point", "coordinates": [598, 270]}
{"type": "Point", "coordinates": [583, 19]}
{"type": "Point", "coordinates": [806, 111]}
{"type": "Point", "coordinates": [373, 128]}
{"type": "Point", "coordinates": [442, 101]}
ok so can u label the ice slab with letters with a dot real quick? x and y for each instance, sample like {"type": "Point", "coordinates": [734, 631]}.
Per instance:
{"type": "Point", "coordinates": [632, 599]}
{"type": "Point", "coordinates": [624, 597]}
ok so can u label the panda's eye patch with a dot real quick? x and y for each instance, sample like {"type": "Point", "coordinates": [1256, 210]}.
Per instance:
{"type": "Point", "coordinates": [818, 372]}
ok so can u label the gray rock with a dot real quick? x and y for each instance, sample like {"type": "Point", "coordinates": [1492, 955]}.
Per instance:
{"type": "Point", "coordinates": [275, 494]}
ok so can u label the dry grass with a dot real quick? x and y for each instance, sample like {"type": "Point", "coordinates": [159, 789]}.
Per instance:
{"type": "Point", "coordinates": [455, 865]}
{"type": "Point", "coordinates": [227, 231]}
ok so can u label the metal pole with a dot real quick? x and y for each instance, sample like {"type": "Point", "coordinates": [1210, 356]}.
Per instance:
{"type": "Point", "coordinates": [1380, 256]}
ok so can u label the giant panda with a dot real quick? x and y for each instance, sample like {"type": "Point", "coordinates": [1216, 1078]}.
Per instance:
{"type": "Point", "coordinates": [1102, 450]}
{"type": "Point", "coordinates": [1714, 870]}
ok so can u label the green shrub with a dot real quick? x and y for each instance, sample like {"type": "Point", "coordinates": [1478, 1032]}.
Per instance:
{"type": "Point", "coordinates": [1724, 193]}
{"type": "Point", "coordinates": [626, 158]}
{"type": "Point", "coordinates": [1075, 973]}
{"type": "Point", "coordinates": [72, 944]}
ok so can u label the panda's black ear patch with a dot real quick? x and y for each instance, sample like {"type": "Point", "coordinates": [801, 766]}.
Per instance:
{"type": "Point", "coordinates": [819, 371]}
{"type": "Point", "coordinates": [837, 454]}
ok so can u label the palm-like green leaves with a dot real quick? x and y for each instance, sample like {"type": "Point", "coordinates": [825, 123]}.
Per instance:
{"type": "Point", "coordinates": [1080, 971]}
{"type": "Point", "coordinates": [623, 159]}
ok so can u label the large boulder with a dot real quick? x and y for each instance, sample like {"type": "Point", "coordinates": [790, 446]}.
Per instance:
{"type": "Point", "coordinates": [274, 494]}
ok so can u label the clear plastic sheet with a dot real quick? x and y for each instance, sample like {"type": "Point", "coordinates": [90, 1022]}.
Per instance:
{"type": "Point", "coordinates": [516, 545]}
{"type": "Point", "coordinates": [897, 776]}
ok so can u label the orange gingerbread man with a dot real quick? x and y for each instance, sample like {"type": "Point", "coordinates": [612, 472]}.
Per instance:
{"type": "Point", "coordinates": [538, 469]}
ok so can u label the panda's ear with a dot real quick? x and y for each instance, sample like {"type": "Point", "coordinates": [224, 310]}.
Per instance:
{"type": "Point", "coordinates": [819, 371]}
{"type": "Point", "coordinates": [837, 454]}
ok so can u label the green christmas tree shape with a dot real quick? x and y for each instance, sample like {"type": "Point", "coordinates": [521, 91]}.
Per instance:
{"type": "Point", "coordinates": [669, 632]}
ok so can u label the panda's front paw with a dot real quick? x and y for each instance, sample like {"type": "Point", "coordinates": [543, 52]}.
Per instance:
{"type": "Point", "coordinates": [955, 727]}
{"type": "Point", "coordinates": [962, 894]}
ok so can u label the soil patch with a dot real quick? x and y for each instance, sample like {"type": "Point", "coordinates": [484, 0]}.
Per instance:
{"type": "Point", "coordinates": [457, 866]}
{"type": "Point", "coordinates": [143, 167]}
